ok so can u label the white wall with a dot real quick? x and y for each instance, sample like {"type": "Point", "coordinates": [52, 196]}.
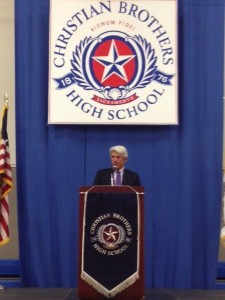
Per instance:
{"type": "Point", "coordinates": [7, 68]}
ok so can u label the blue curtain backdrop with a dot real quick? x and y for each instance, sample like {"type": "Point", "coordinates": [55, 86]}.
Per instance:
{"type": "Point", "coordinates": [180, 166]}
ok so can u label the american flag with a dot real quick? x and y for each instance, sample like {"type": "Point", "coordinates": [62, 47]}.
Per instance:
{"type": "Point", "coordinates": [6, 183]}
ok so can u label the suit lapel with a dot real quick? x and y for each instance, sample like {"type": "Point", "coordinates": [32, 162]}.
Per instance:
{"type": "Point", "coordinates": [124, 181]}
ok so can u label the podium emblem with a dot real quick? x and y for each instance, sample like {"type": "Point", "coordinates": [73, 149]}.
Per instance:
{"type": "Point", "coordinates": [112, 238]}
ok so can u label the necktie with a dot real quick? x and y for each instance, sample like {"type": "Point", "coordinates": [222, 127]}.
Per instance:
{"type": "Point", "coordinates": [118, 178]}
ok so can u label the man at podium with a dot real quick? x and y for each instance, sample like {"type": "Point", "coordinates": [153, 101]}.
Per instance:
{"type": "Point", "coordinates": [117, 174]}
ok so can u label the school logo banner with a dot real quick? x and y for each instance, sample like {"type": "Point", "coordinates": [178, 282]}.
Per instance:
{"type": "Point", "coordinates": [113, 62]}
{"type": "Point", "coordinates": [110, 240]}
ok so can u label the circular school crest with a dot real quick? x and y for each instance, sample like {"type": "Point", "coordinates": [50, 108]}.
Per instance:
{"type": "Point", "coordinates": [113, 64]}
{"type": "Point", "coordinates": [111, 236]}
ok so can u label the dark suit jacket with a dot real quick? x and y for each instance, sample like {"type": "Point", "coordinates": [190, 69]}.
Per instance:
{"type": "Point", "coordinates": [103, 177]}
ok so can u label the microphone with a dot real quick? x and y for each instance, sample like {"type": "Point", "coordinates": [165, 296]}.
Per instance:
{"type": "Point", "coordinates": [113, 169]}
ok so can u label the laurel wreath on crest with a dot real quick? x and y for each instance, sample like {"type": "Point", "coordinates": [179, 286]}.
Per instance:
{"type": "Point", "coordinates": [76, 63]}
{"type": "Point", "coordinates": [150, 62]}
{"type": "Point", "coordinates": [148, 74]}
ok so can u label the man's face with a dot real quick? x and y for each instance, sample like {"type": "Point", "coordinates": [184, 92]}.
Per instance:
{"type": "Point", "coordinates": [117, 160]}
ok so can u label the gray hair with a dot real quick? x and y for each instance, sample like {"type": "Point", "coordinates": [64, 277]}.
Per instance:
{"type": "Point", "coordinates": [120, 149]}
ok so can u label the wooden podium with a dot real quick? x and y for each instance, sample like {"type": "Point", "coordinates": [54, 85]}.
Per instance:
{"type": "Point", "coordinates": [111, 243]}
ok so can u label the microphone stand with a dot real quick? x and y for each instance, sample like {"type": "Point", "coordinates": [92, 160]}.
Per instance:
{"type": "Point", "coordinates": [112, 179]}
{"type": "Point", "coordinates": [112, 175]}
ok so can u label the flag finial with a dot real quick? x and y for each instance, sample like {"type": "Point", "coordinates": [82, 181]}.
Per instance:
{"type": "Point", "coordinates": [6, 99]}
